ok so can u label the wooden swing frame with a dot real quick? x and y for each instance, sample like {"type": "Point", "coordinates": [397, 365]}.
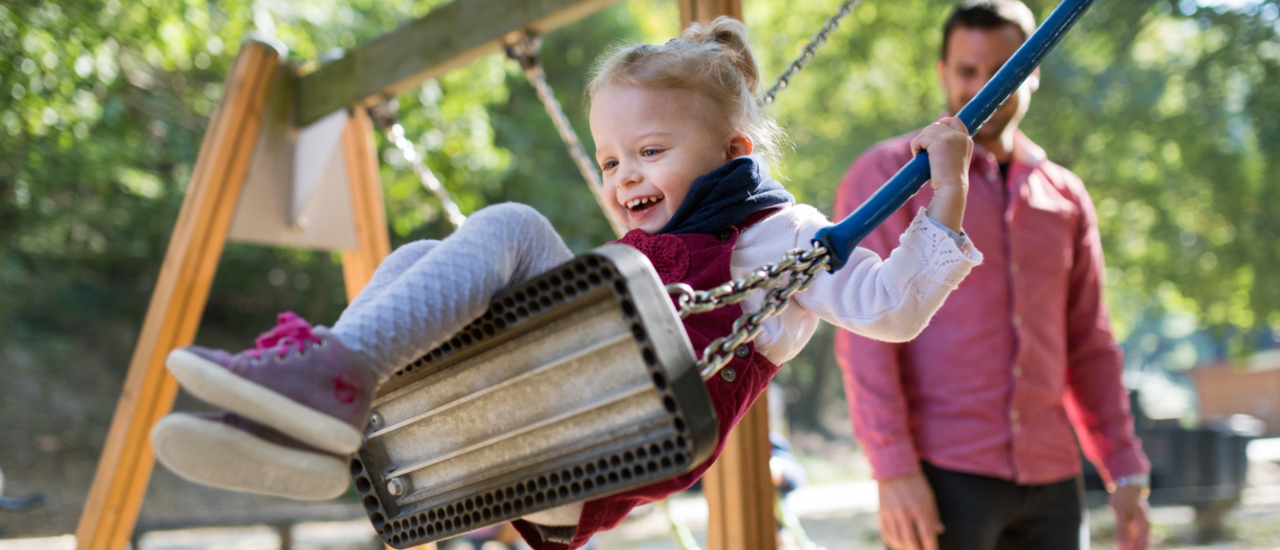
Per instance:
{"type": "Point", "coordinates": [738, 488]}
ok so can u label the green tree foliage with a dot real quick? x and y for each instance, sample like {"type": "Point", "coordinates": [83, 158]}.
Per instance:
{"type": "Point", "coordinates": [103, 110]}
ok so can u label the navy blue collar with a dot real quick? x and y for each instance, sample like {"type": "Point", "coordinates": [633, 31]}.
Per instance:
{"type": "Point", "coordinates": [726, 196]}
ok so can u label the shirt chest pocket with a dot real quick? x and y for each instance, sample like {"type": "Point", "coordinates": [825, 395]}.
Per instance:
{"type": "Point", "coordinates": [1045, 228]}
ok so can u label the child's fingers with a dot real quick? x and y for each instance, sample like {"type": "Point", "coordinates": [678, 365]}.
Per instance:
{"type": "Point", "coordinates": [926, 138]}
{"type": "Point", "coordinates": [917, 143]}
{"type": "Point", "coordinates": [954, 122]}
{"type": "Point", "coordinates": [938, 131]}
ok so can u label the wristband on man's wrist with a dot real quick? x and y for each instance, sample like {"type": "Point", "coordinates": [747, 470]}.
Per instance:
{"type": "Point", "coordinates": [1140, 481]}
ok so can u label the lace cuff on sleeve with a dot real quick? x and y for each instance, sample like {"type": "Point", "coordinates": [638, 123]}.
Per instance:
{"type": "Point", "coordinates": [947, 262]}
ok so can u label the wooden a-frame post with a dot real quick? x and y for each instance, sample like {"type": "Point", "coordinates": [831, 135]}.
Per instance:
{"type": "Point", "coordinates": [124, 469]}
{"type": "Point", "coordinates": [199, 236]}
{"type": "Point", "coordinates": [703, 11]}
{"type": "Point", "coordinates": [738, 488]}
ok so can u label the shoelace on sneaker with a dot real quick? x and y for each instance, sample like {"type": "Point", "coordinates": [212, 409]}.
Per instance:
{"type": "Point", "coordinates": [290, 332]}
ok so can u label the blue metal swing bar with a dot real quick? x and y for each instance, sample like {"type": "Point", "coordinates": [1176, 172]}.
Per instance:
{"type": "Point", "coordinates": [841, 238]}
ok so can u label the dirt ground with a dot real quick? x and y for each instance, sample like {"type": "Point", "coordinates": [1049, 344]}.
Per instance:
{"type": "Point", "coordinates": [836, 510]}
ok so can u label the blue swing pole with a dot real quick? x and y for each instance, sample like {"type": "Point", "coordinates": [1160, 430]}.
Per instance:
{"type": "Point", "coordinates": [841, 238]}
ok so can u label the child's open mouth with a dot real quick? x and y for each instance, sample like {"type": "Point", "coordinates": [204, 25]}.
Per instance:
{"type": "Point", "coordinates": [643, 204]}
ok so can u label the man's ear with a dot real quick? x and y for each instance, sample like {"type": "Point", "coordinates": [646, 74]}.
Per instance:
{"type": "Point", "coordinates": [941, 66]}
{"type": "Point", "coordinates": [739, 146]}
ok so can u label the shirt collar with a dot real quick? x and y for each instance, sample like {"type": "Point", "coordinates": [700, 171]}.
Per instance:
{"type": "Point", "coordinates": [1025, 151]}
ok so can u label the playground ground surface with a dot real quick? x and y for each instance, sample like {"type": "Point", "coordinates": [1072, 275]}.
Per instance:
{"type": "Point", "coordinates": [837, 514]}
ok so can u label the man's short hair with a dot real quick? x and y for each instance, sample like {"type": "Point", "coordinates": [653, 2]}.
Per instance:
{"type": "Point", "coordinates": [988, 14]}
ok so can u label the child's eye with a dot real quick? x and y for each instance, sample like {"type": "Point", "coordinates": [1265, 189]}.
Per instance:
{"type": "Point", "coordinates": [650, 152]}
{"type": "Point", "coordinates": [608, 164]}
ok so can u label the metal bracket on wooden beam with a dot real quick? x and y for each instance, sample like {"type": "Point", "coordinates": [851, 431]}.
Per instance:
{"type": "Point", "coordinates": [524, 47]}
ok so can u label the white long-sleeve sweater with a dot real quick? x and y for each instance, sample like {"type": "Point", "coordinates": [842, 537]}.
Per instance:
{"type": "Point", "coordinates": [890, 299]}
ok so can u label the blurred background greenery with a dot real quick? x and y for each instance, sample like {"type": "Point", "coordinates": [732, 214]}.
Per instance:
{"type": "Point", "coordinates": [1169, 110]}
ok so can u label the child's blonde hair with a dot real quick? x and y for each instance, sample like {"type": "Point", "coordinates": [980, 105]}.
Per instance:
{"type": "Point", "coordinates": [713, 59]}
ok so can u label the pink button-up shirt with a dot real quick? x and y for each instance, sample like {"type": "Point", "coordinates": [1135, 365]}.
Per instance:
{"type": "Point", "coordinates": [1017, 355]}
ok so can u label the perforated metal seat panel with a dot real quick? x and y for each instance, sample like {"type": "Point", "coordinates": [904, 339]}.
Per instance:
{"type": "Point", "coordinates": [575, 385]}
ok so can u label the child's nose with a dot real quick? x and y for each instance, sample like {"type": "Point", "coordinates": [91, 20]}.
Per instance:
{"type": "Point", "coordinates": [630, 177]}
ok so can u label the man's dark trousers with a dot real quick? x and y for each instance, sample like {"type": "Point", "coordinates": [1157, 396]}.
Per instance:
{"type": "Point", "coordinates": [986, 513]}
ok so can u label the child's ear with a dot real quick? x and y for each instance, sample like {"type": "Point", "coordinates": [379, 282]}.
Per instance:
{"type": "Point", "coordinates": [739, 146]}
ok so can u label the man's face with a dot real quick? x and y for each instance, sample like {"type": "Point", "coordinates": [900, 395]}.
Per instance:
{"type": "Point", "coordinates": [973, 57]}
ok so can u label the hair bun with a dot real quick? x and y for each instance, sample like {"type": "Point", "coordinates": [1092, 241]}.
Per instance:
{"type": "Point", "coordinates": [713, 59]}
{"type": "Point", "coordinates": [732, 34]}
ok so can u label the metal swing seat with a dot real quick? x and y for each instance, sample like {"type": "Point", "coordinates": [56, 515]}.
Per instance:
{"type": "Point", "coordinates": [581, 383]}
{"type": "Point", "coordinates": [574, 385]}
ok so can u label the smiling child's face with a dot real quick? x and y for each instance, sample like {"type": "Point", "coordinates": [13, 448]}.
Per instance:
{"type": "Point", "coordinates": [651, 143]}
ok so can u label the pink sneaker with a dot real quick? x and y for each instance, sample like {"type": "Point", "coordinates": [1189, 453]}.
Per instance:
{"type": "Point", "coordinates": [226, 451]}
{"type": "Point", "coordinates": [299, 380]}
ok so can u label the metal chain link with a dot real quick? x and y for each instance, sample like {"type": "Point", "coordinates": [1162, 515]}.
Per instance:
{"type": "Point", "coordinates": [798, 266]}
{"type": "Point", "coordinates": [384, 117]}
{"type": "Point", "coordinates": [525, 51]}
{"type": "Point", "coordinates": [818, 40]}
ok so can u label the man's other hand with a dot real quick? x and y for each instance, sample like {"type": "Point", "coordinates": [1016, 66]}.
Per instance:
{"type": "Point", "coordinates": [909, 513]}
{"type": "Point", "coordinates": [1133, 523]}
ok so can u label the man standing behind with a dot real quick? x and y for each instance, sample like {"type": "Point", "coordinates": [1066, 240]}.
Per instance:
{"type": "Point", "coordinates": [969, 426]}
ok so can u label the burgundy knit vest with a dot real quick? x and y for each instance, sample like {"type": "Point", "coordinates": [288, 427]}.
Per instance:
{"type": "Point", "coordinates": [700, 261]}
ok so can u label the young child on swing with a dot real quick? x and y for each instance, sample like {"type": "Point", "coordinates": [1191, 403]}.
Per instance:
{"type": "Point", "coordinates": [678, 134]}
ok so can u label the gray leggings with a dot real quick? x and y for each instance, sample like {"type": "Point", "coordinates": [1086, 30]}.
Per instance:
{"type": "Point", "coordinates": [426, 291]}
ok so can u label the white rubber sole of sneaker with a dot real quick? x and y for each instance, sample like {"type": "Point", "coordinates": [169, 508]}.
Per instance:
{"type": "Point", "coordinates": [213, 384]}
{"type": "Point", "coordinates": [217, 455]}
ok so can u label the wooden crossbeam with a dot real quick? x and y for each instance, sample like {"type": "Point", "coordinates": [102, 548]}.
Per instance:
{"type": "Point", "coordinates": [449, 36]}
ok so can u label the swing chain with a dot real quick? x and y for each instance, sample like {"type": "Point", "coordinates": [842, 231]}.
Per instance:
{"type": "Point", "coordinates": [384, 117]}
{"type": "Point", "coordinates": [819, 38]}
{"type": "Point", "coordinates": [798, 266]}
{"type": "Point", "coordinates": [524, 49]}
